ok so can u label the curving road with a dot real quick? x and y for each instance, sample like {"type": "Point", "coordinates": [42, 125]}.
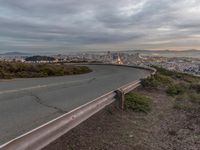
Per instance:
{"type": "Point", "coordinates": [28, 103]}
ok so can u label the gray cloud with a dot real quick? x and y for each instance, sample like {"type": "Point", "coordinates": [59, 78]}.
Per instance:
{"type": "Point", "coordinates": [63, 25]}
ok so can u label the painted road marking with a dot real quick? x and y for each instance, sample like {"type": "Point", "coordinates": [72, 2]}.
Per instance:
{"type": "Point", "coordinates": [43, 86]}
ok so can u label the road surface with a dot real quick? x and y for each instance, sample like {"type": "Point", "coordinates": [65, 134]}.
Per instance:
{"type": "Point", "coordinates": [28, 103]}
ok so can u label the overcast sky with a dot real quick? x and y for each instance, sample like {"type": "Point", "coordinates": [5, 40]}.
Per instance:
{"type": "Point", "coordinates": [67, 25]}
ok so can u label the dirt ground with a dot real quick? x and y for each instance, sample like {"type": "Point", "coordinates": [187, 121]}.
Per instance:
{"type": "Point", "coordinates": [164, 128]}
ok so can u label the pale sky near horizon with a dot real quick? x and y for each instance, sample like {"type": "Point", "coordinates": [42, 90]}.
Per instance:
{"type": "Point", "coordinates": [67, 25]}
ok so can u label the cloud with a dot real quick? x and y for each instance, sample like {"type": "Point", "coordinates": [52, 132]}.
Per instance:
{"type": "Point", "coordinates": [63, 25]}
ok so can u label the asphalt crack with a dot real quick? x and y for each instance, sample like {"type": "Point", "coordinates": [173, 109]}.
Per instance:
{"type": "Point", "coordinates": [38, 100]}
{"type": "Point", "coordinates": [91, 80]}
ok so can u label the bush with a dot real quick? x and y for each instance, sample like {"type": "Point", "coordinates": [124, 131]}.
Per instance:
{"type": "Point", "coordinates": [137, 102]}
{"type": "Point", "coordinates": [186, 102]}
{"type": "Point", "coordinates": [178, 75]}
{"type": "Point", "coordinates": [189, 78]}
{"type": "Point", "coordinates": [184, 107]}
{"type": "Point", "coordinates": [150, 82]}
{"type": "Point", "coordinates": [164, 71]}
{"type": "Point", "coordinates": [4, 75]}
{"type": "Point", "coordinates": [22, 70]}
{"type": "Point", "coordinates": [194, 97]}
{"type": "Point", "coordinates": [156, 81]}
{"type": "Point", "coordinates": [163, 79]}
{"type": "Point", "coordinates": [176, 89]}
{"type": "Point", "coordinates": [195, 87]}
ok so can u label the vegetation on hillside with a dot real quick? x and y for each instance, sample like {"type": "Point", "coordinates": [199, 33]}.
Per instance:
{"type": "Point", "coordinates": [137, 102]}
{"type": "Point", "coordinates": [40, 58]}
{"type": "Point", "coordinates": [184, 88]}
{"type": "Point", "coordinates": [10, 70]}
{"type": "Point", "coordinates": [157, 80]}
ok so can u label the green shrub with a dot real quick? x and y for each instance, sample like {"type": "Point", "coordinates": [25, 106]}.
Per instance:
{"type": "Point", "coordinates": [189, 78]}
{"type": "Point", "coordinates": [150, 82]}
{"type": "Point", "coordinates": [195, 87]}
{"type": "Point", "coordinates": [186, 102]}
{"type": "Point", "coordinates": [156, 80]}
{"type": "Point", "coordinates": [184, 107]}
{"type": "Point", "coordinates": [164, 71]}
{"type": "Point", "coordinates": [178, 75]}
{"type": "Point", "coordinates": [163, 79]}
{"type": "Point", "coordinates": [5, 75]}
{"type": "Point", "coordinates": [137, 102]}
{"type": "Point", "coordinates": [194, 97]}
{"type": "Point", "coordinates": [176, 89]}
{"type": "Point", "coordinates": [22, 70]}
{"type": "Point", "coordinates": [182, 97]}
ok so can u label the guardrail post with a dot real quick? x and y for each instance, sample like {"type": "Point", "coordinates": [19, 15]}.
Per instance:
{"type": "Point", "coordinates": [120, 96]}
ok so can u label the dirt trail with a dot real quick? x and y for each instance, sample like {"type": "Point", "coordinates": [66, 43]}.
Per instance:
{"type": "Point", "coordinates": [164, 128]}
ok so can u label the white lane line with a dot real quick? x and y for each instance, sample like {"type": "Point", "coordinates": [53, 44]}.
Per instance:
{"type": "Point", "coordinates": [42, 86]}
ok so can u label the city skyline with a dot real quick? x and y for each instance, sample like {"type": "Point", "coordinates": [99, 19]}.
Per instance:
{"type": "Point", "coordinates": [67, 25]}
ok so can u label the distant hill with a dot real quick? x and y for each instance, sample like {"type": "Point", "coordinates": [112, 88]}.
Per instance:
{"type": "Point", "coordinates": [164, 51]}
{"type": "Point", "coordinates": [15, 54]}
{"type": "Point", "coordinates": [193, 53]}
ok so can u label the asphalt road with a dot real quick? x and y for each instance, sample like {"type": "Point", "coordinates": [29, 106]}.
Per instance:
{"type": "Point", "coordinates": [28, 103]}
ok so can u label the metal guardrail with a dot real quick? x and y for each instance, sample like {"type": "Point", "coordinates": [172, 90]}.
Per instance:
{"type": "Point", "coordinates": [49, 132]}
{"type": "Point", "coordinates": [45, 134]}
